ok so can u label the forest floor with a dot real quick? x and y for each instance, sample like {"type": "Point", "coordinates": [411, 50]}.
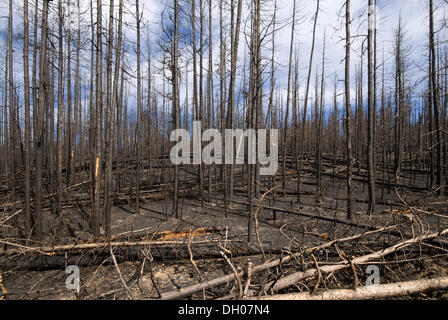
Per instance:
{"type": "Point", "coordinates": [189, 250]}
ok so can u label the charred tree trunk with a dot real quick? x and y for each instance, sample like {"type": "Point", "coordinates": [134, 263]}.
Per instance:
{"type": "Point", "coordinates": [348, 110]}
{"type": "Point", "coordinates": [26, 80]}
{"type": "Point", "coordinates": [60, 111]}
{"type": "Point", "coordinates": [288, 97]}
{"type": "Point", "coordinates": [305, 107]}
{"type": "Point", "coordinates": [40, 119]}
{"type": "Point", "coordinates": [96, 208]}
{"type": "Point", "coordinates": [371, 112]}
{"type": "Point", "coordinates": [139, 114]}
{"type": "Point", "coordinates": [435, 96]}
{"type": "Point", "coordinates": [175, 97]}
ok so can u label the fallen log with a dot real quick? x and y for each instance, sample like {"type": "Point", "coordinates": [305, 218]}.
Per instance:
{"type": "Point", "coordinates": [307, 215]}
{"type": "Point", "coordinates": [53, 250]}
{"type": "Point", "coordinates": [335, 220]}
{"type": "Point", "coordinates": [294, 278]}
{"type": "Point", "coordinates": [86, 258]}
{"type": "Point", "coordinates": [188, 291]}
{"type": "Point", "coordinates": [401, 289]}
{"type": "Point", "coordinates": [362, 179]}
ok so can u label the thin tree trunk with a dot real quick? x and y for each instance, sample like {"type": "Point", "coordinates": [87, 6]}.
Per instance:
{"type": "Point", "coordinates": [201, 92]}
{"type": "Point", "coordinates": [288, 97]}
{"type": "Point", "coordinates": [77, 99]}
{"type": "Point", "coordinates": [139, 114]}
{"type": "Point", "coordinates": [40, 118]}
{"type": "Point", "coordinates": [371, 112]}
{"type": "Point", "coordinates": [112, 108]}
{"type": "Point", "coordinates": [60, 112]}
{"type": "Point", "coordinates": [305, 107]}
{"type": "Point", "coordinates": [34, 71]}
{"type": "Point", "coordinates": [210, 87]}
{"type": "Point", "coordinates": [348, 110]}
{"type": "Point", "coordinates": [69, 125]}
{"type": "Point", "coordinates": [436, 97]}
{"type": "Point", "coordinates": [222, 66]}
{"type": "Point", "coordinates": [175, 99]}
{"type": "Point", "coordinates": [271, 111]}
{"type": "Point", "coordinates": [235, 38]}
{"type": "Point", "coordinates": [12, 112]}
{"type": "Point", "coordinates": [320, 127]}
{"type": "Point", "coordinates": [26, 77]}
{"type": "Point", "coordinates": [96, 209]}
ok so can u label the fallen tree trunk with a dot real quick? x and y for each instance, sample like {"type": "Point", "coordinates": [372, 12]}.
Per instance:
{"type": "Point", "coordinates": [336, 220]}
{"type": "Point", "coordinates": [362, 179]}
{"type": "Point", "coordinates": [188, 291]}
{"type": "Point", "coordinates": [294, 278]}
{"type": "Point", "coordinates": [308, 215]}
{"type": "Point", "coordinates": [370, 292]}
{"type": "Point", "coordinates": [50, 251]}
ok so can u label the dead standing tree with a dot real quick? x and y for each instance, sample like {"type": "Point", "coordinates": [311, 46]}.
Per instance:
{"type": "Point", "coordinates": [12, 111]}
{"type": "Point", "coordinates": [348, 110]}
{"type": "Point", "coordinates": [255, 96]}
{"type": "Point", "coordinates": [175, 99]}
{"type": "Point", "coordinates": [435, 96]}
{"type": "Point", "coordinates": [371, 110]}
{"type": "Point", "coordinates": [112, 112]}
{"type": "Point", "coordinates": [110, 119]}
{"type": "Point", "coordinates": [40, 119]}
{"type": "Point", "coordinates": [96, 206]}
{"type": "Point", "coordinates": [60, 116]}
{"type": "Point", "coordinates": [305, 107]}
{"type": "Point", "coordinates": [138, 134]}
{"type": "Point", "coordinates": [288, 97]}
{"type": "Point", "coordinates": [235, 36]}
{"type": "Point", "coordinates": [26, 80]}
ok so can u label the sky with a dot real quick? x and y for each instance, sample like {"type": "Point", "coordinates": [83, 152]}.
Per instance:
{"type": "Point", "coordinates": [414, 15]}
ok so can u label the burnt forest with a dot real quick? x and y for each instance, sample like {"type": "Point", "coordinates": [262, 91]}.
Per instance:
{"type": "Point", "coordinates": [223, 150]}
